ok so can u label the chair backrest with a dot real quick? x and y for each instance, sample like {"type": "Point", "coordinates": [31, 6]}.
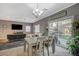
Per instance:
{"type": "Point", "coordinates": [51, 39]}
{"type": "Point", "coordinates": [40, 40]}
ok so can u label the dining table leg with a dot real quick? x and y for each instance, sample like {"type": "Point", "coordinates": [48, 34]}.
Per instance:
{"type": "Point", "coordinates": [43, 48]}
{"type": "Point", "coordinates": [30, 50]}
{"type": "Point", "coordinates": [24, 46]}
{"type": "Point", "coordinates": [53, 46]}
{"type": "Point", "coordinates": [35, 50]}
{"type": "Point", "coordinates": [48, 49]}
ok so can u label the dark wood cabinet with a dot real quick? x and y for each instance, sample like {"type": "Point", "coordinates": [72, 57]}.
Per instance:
{"type": "Point", "coordinates": [16, 37]}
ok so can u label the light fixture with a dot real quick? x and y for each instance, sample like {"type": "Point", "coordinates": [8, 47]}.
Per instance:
{"type": "Point", "coordinates": [54, 24]}
{"type": "Point", "coordinates": [38, 12]}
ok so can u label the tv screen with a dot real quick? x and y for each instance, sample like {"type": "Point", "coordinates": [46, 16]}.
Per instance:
{"type": "Point", "coordinates": [16, 27]}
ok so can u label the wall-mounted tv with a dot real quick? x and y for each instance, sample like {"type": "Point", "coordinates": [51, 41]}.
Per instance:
{"type": "Point", "coordinates": [16, 27]}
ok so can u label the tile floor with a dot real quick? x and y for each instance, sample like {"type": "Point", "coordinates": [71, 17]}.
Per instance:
{"type": "Point", "coordinates": [59, 51]}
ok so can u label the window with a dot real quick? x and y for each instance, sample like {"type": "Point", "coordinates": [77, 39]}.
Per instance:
{"type": "Point", "coordinates": [28, 28]}
{"type": "Point", "coordinates": [37, 28]}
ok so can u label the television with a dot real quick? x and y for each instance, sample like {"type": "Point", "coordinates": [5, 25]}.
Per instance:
{"type": "Point", "coordinates": [16, 27]}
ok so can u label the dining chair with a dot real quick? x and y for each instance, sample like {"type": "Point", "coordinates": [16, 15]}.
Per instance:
{"type": "Point", "coordinates": [41, 44]}
{"type": "Point", "coordinates": [25, 44]}
{"type": "Point", "coordinates": [49, 41]}
{"type": "Point", "coordinates": [46, 44]}
{"type": "Point", "coordinates": [52, 43]}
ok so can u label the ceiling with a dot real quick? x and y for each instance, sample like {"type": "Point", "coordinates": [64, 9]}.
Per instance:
{"type": "Point", "coordinates": [22, 12]}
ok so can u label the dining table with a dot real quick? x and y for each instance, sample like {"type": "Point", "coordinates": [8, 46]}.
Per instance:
{"type": "Point", "coordinates": [30, 41]}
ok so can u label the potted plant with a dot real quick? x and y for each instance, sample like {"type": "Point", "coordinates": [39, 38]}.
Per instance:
{"type": "Point", "coordinates": [74, 46]}
{"type": "Point", "coordinates": [74, 41]}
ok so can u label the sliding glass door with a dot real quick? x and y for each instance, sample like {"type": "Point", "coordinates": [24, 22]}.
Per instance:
{"type": "Point", "coordinates": [62, 29]}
